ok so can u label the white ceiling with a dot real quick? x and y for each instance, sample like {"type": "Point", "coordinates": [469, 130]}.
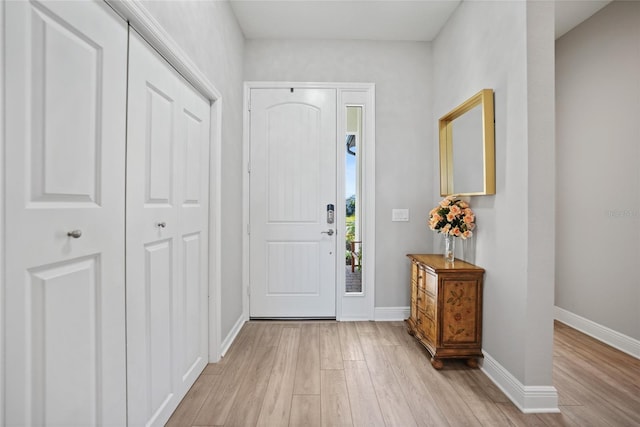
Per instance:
{"type": "Point", "coordinates": [419, 20]}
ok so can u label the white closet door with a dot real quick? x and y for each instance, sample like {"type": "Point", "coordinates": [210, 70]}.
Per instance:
{"type": "Point", "coordinates": [167, 208]}
{"type": "Point", "coordinates": [66, 68]}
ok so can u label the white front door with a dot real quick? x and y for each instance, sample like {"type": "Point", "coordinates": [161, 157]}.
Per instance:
{"type": "Point", "coordinates": [292, 181]}
{"type": "Point", "coordinates": [167, 229]}
{"type": "Point", "coordinates": [66, 70]}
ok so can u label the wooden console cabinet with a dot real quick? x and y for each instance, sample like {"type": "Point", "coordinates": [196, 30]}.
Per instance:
{"type": "Point", "coordinates": [446, 308]}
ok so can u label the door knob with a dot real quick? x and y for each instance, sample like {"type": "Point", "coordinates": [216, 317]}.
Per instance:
{"type": "Point", "coordinates": [329, 232]}
{"type": "Point", "coordinates": [162, 224]}
{"type": "Point", "coordinates": [75, 234]}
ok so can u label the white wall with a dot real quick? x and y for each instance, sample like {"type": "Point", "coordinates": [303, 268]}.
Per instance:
{"type": "Point", "coordinates": [598, 153]}
{"type": "Point", "coordinates": [404, 163]}
{"type": "Point", "coordinates": [209, 33]}
{"type": "Point", "coordinates": [508, 46]}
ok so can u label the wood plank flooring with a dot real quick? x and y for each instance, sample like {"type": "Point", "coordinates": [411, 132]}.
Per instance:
{"type": "Point", "coordinates": [374, 374]}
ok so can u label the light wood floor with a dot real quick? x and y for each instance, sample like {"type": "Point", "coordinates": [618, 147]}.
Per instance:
{"type": "Point", "coordinates": [375, 374]}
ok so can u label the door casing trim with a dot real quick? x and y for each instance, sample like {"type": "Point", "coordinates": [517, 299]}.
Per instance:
{"type": "Point", "coordinates": [2, 216]}
{"type": "Point", "coordinates": [359, 306]}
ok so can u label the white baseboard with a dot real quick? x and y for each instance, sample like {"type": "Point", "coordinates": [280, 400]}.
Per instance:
{"type": "Point", "coordinates": [353, 319]}
{"type": "Point", "coordinates": [608, 336]}
{"type": "Point", "coordinates": [389, 314]}
{"type": "Point", "coordinates": [231, 336]}
{"type": "Point", "coordinates": [529, 399]}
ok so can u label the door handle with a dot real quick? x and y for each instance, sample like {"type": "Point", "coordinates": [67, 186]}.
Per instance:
{"type": "Point", "coordinates": [329, 232]}
{"type": "Point", "coordinates": [75, 234]}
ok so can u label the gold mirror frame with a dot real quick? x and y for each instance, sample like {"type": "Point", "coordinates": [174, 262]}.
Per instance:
{"type": "Point", "coordinates": [484, 98]}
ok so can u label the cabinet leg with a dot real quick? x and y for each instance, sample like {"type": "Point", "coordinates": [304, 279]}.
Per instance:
{"type": "Point", "coordinates": [472, 362]}
{"type": "Point", "coordinates": [437, 363]}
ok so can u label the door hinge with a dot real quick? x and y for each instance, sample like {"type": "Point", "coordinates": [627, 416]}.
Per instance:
{"type": "Point", "coordinates": [248, 167]}
{"type": "Point", "coordinates": [248, 228]}
{"type": "Point", "coordinates": [249, 103]}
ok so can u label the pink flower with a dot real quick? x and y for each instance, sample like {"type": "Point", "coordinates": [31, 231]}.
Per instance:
{"type": "Point", "coordinates": [448, 201]}
{"type": "Point", "coordinates": [452, 216]}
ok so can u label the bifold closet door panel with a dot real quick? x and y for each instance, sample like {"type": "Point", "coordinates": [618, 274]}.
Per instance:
{"type": "Point", "coordinates": [193, 232]}
{"type": "Point", "coordinates": [167, 208]}
{"type": "Point", "coordinates": [66, 71]}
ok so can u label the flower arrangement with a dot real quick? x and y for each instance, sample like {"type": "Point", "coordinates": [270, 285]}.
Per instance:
{"type": "Point", "coordinates": [453, 217]}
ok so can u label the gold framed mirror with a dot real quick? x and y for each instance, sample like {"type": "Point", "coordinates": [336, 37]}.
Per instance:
{"type": "Point", "coordinates": [467, 148]}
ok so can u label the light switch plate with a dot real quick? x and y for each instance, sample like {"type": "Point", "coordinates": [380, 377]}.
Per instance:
{"type": "Point", "coordinates": [400, 215]}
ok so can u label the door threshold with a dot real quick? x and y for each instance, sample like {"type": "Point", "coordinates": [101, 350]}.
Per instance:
{"type": "Point", "coordinates": [293, 319]}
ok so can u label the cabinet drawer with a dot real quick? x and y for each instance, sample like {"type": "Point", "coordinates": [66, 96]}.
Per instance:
{"type": "Point", "coordinates": [429, 307]}
{"type": "Point", "coordinates": [414, 272]}
{"type": "Point", "coordinates": [427, 328]}
{"type": "Point", "coordinates": [420, 299]}
{"type": "Point", "coordinates": [420, 273]}
{"type": "Point", "coordinates": [427, 281]}
{"type": "Point", "coordinates": [426, 304]}
{"type": "Point", "coordinates": [430, 282]}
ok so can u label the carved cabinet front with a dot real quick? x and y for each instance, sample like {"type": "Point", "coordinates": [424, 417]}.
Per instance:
{"type": "Point", "coordinates": [446, 308]}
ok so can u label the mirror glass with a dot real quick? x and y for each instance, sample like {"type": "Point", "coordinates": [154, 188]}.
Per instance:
{"type": "Point", "coordinates": [468, 171]}
{"type": "Point", "coordinates": [467, 165]}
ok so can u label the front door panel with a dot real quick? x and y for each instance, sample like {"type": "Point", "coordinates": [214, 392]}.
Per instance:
{"type": "Point", "coordinates": [293, 258]}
